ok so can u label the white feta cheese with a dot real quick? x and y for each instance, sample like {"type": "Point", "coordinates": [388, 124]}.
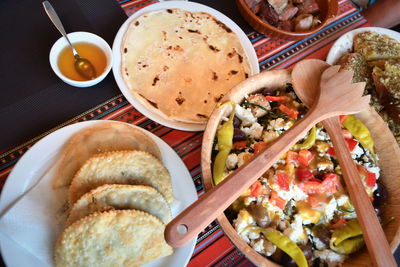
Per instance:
{"type": "Point", "coordinates": [231, 161]}
{"type": "Point", "coordinates": [321, 135]}
{"type": "Point", "coordinates": [357, 152]}
{"type": "Point", "coordinates": [242, 158]}
{"type": "Point", "coordinates": [330, 209]}
{"type": "Point", "coordinates": [298, 194]}
{"type": "Point", "coordinates": [330, 257]}
{"type": "Point", "coordinates": [342, 200]}
{"type": "Point", "coordinates": [318, 243]}
{"type": "Point", "coordinates": [295, 231]}
{"type": "Point", "coordinates": [277, 125]}
{"type": "Point", "coordinates": [245, 115]}
{"type": "Point", "coordinates": [269, 136]}
{"type": "Point", "coordinates": [254, 131]}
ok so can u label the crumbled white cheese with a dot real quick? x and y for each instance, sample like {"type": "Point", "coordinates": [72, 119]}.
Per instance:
{"type": "Point", "coordinates": [263, 246]}
{"type": "Point", "coordinates": [342, 200]}
{"type": "Point", "coordinates": [277, 125]}
{"type": "Point", "coordinates": [330, 257]}
{"type": "Point", "coordinates": [357, 152]}
{"type": "Point", "coordinates": [231, 161]}
{"type": "Point", "coordinates": [245, 115]}
{"type": "Point", "coordinates": [298, 194]}
{"type": "Point", "coordinates": [321, 135]}
{"type": "Point", "coordinates": [269, 136]}
{"type": "Point", "coordinates": [318, 243]}
{"type": "Point", "coordinates": [295, 231]}
{"type": "Point", "coordinates": [329, 210]}
{"type": "Point", "coordinates": [254, 131]}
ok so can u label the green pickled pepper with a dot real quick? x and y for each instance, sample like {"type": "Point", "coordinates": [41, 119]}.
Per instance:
{"type": "Point", "coordinates": [360, 132]}
{"type": "Point", "coordinates": [224, 143]}
{"type": "Point", "coordinates": [348, 239]}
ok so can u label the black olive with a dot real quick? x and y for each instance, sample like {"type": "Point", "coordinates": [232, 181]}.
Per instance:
{"type": "Point", "coordinates": [260, 214]}
{"type": "Point", "coordinates": [287, 261]}
{"type": "Point", "coordinates": [307, 251]}
{"type": "Point", "coordinates": [302, 111]}
{"type": "Point", "coordinates": [238, 135]}
{"type": "Point", "coordinates": [322, 233]}
{"type": "Point", "coordinates": [380, 194]}
{"type": "Point", "coordinates": [236, 122]}
{"type": "Point", "coordinates": [267, 91]}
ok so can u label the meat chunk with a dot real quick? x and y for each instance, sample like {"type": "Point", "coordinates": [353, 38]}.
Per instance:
{"type": "Point", "coordinates": [268, 14]}
{"type": "Point", "coordinates": [260, 105]}
{"type": "Point", "coordinates": [288, 13]}
{"type": "Point", "coordinates": [278, 5]}
{"type": "Point", "coordinates": [254, 5]}
{"type": "Point", "coordinates": [309, 7]}
{"type": "Point", "coordinates": [303, 22]}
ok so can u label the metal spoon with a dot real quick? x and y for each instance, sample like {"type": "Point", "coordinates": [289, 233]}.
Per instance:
{"type": "Point", "coordinates": [83, 66]}
{"type": "Point", "coordinates": [306, 77]}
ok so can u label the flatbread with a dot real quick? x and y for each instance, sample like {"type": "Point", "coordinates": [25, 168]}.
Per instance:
{"type": "Point", "coordinates": [107, 197]}
{"type": "Point", "coordinates": [113, 238]}
{"type": "Point", "coordinates": [122, 167]}
{"type": "Point", "coordinates": [179, 64]}
{"type": "Point", "coordinates": [110, 136]}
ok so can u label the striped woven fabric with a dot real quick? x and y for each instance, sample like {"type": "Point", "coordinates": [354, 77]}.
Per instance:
{"type": "Point", "coordinates": [213, 248]}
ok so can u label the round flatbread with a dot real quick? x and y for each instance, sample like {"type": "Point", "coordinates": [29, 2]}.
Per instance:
{"type": "Point", "coordinates": [179, 64]}
{"type": "Point", "coordinates": [113, 238]}
{"type": "Point", "coordinates": [120, 197]}
{"type": "Point", "coordinates": [104, 137]}
{"type": "Point", "coordinates": [122, 167]}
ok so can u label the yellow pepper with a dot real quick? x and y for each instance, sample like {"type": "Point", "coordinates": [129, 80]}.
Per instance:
{"type": "Point", "coordinates": [348, 239]}
{"type": "Point", "coordinates": [360, 132]}
{"type": "Point", "coordinates": [225, 142]}
{"type": "Point", "coordinates": [309, 142]}
{"type": "Point", "coordinates": [283, 242]}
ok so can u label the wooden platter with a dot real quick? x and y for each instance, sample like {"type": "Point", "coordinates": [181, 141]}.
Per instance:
{"type": "Point", "coordinates": [385, 145]}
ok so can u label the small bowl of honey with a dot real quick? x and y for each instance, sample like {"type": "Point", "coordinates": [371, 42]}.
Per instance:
{"type": "Point", "coordinates": [89, 46]}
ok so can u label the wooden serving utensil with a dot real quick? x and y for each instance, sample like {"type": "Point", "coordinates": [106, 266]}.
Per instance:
{"type": "Point", "coordinates": [306, 82]}
{"type": "Point", "coordinates": [338, 96]}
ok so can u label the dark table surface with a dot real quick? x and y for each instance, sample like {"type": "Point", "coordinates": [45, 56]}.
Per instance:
{"type": "Point", "coordinates": [32, 98]}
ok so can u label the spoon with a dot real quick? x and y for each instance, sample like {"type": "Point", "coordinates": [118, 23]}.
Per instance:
{"type": "Point", "coordinates": [338, 96]}
{"type": "Point", "coordinates": [306, 82]}
{"type": "Point", "coordinates": [83, 66]}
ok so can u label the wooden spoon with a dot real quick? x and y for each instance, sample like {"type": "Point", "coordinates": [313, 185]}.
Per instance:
{"type": "Point", "coordinates": [306, 82]}
{"type": "Point", "coordinates": [338, 96]}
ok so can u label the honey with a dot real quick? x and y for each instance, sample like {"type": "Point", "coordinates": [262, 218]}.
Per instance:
{"type": "Point", "coordinates": [86, 50]}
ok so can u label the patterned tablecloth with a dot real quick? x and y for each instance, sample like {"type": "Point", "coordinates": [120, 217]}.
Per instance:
{"type": "Point", "coordinates": [213, 248]}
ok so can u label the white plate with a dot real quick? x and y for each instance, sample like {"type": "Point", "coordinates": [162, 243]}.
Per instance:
{"type": "Point", "coordinates": [344, 44]}
{"type": "Point", "coordinates": [37, 160]}
{"type": "Point", "coordinates": [189, 6]}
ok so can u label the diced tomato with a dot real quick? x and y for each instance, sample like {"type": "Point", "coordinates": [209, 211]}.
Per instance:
{"type": "Point", "coordinates": [256, 189]}
{"type": "Point", "coordinates": [351, 143]}
{"type": "Point", "coordinates": [240, 144]}
{"type": "Point", "coordinates": [342, 118]}
{"type": "Point", "coordinates": [281, 98]}
{"type": "Point", "coordinates": [259, 146]}
{"type": "Point", "coordinates": [305, 156]}
{"type": "Point", "coordinates": [288, 111]}
{"type": "Point", "coordinates": [277, 200]}
{"type": "Point", "coordinates": [310, 187]}
{"type": "Point", "coordinates": [313, 201]}
{"type": "Point", "coordinates": [283, 181]}
{"type": "Point", "coordinates": [371, 179]}
{"type": "Point", "coordinates": [304, 174]}
{"type": "Point", "coordinates": [292, 158]}
{"type": "Point", "coordinates": [329, 184]}
{"type": "Point", "coordinates": [331, 151]}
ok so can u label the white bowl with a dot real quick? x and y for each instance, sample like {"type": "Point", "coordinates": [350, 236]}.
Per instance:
{"type": "Point", "coordinates": [75, 37]}
{"type": "Point", "coordinates": [344, 44]}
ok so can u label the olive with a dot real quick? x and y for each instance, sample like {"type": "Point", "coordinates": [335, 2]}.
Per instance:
{"type": "Point", "coordinates": [302, 111]}
{"type": "Point", "coordinates": [260, 214]}
{"type": "Point", "coordinates": [322, 233]}
{"type": "Point", "coordinates": [267, 91]}
{"type": "Point", "coordinates": [307, 251]}
{"type": "Point", "coordinates": [238, 135]}
{"type": "Point", "coordinates": [287, 261]}
{"type": "Point", "coordinates": [236, 122]}
{"type": "Point", "coordinates": [380, 194]}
